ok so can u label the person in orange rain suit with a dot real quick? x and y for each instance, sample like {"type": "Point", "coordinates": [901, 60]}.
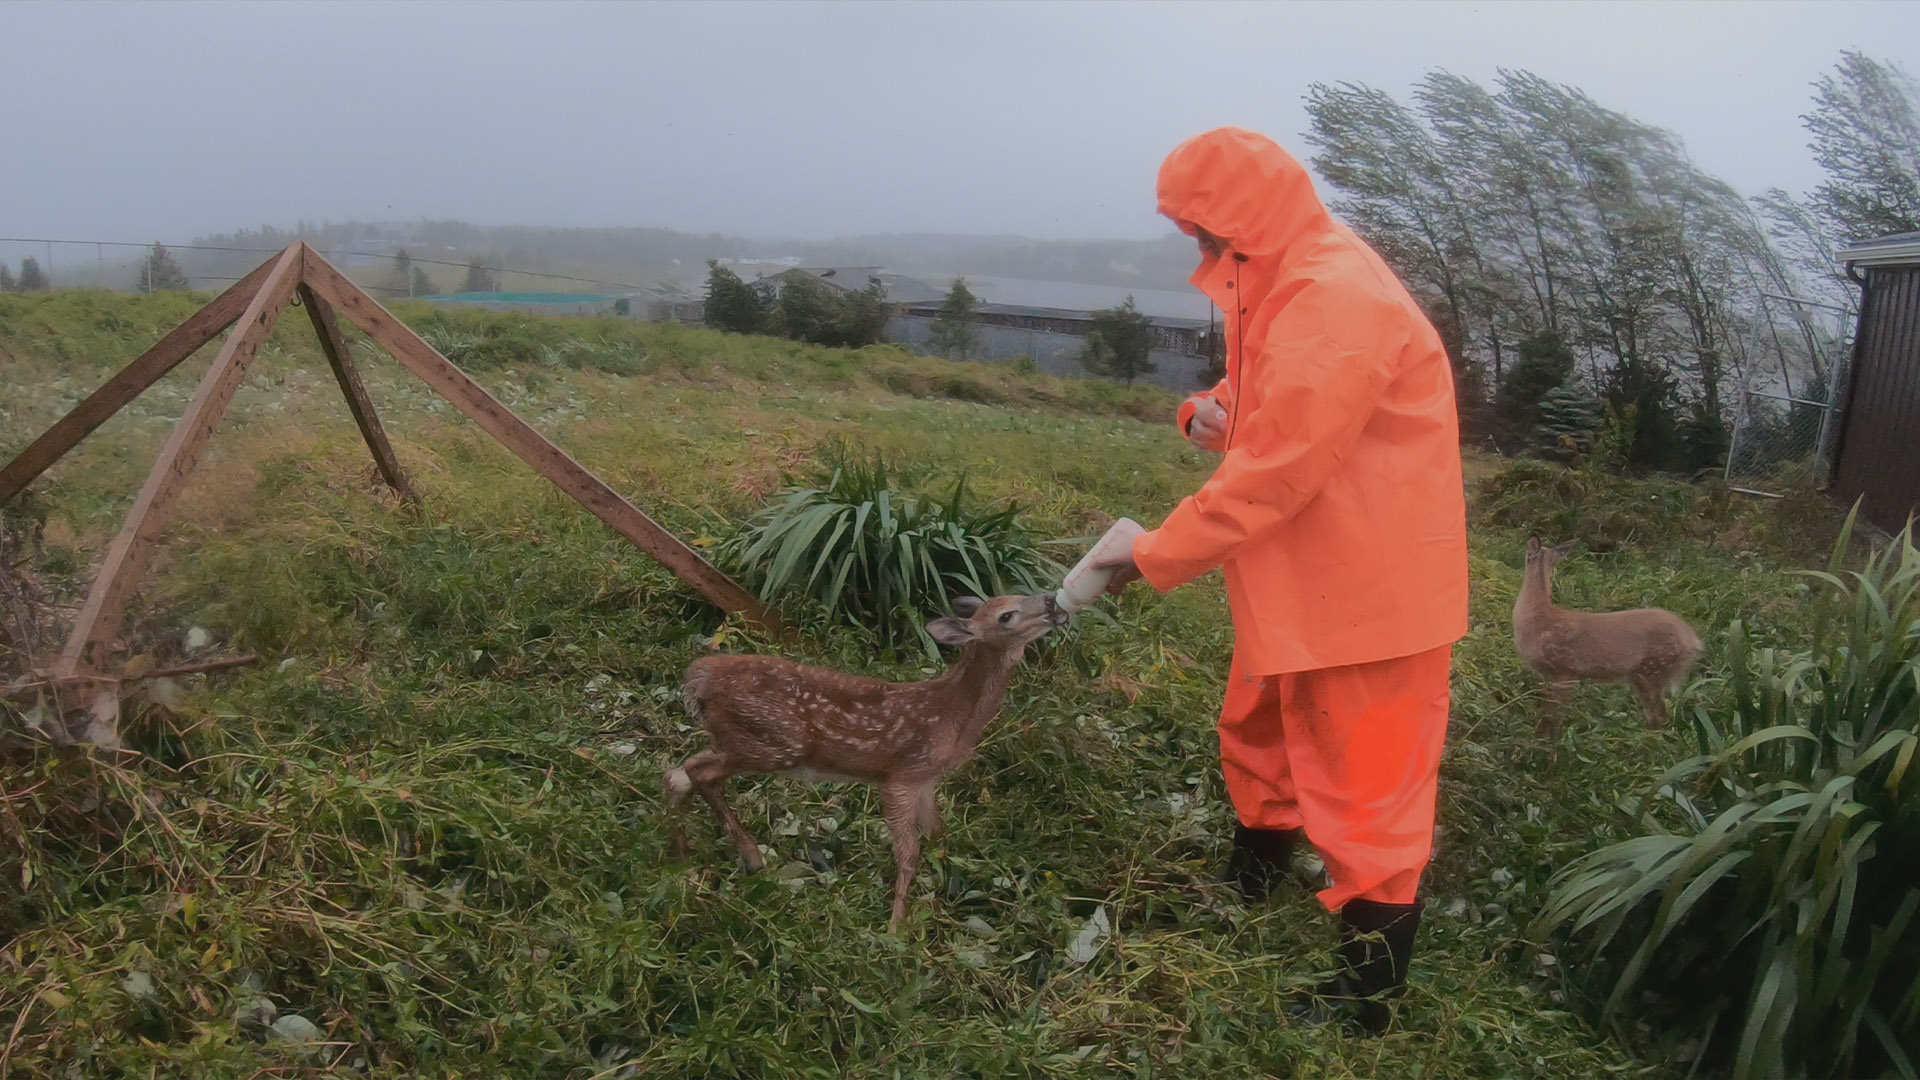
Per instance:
{"type": "Point", "coordinates": [1338, 515]}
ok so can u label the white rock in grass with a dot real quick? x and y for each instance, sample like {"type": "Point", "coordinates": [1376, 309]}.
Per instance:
{"type": "Point", "coordinates": [1086, 943]}
{"type": "Point", "coordinates": [296, 1028]}
{"type": "Point", "coordinates": [198, 639]}
{"type": "Point", "coordinates": [253, 1011]}
{"type": "Point", "coordinates": [137, 984]}
{"type": "Point", "coordinates": [165, 693]}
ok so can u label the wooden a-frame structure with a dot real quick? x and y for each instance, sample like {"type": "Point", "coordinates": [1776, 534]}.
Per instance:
{"type": "Point", "coordinates": [254, 303]}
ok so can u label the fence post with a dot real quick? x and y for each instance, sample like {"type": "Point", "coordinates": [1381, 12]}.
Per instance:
{"type": "Point", "coordinates": [1821, 469]}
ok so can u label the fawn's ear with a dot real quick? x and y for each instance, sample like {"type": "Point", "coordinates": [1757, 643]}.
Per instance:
{"type": "Point", "coordinates": [1533, 544]}
{"type": "Point", "coordinates": [965, 606]}
{"type": "Point", "coordinates": [950, 631]}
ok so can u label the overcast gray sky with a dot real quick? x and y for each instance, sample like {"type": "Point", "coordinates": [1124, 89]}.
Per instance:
{"type": "Point", "coordinates": [135, 121]}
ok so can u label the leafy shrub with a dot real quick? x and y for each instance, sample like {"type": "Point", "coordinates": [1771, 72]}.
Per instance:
{"type": "Point", "coordinates": [807, 310]}
{"type": "Point", "coordinates": [1777, 917]}
{"type": "Point", "coordinates": [865, 551]}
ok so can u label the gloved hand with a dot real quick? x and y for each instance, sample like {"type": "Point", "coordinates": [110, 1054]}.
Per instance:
{"type": "Point", "coordinates": [1208, 428]}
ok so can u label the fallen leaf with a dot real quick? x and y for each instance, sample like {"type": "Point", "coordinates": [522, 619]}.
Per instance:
{"type": "Point", "coordinates": [1086, 943]}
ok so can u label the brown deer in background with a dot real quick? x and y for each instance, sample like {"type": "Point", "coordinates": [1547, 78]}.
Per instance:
{"type": "Point", "coordinates": [768, 715]}
{"type": "Point", "coordinates": [1648, 648]}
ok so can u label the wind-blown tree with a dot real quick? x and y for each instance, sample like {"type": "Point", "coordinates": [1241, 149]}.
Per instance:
{"type": "Point", "coordinates": [732, 304]}
{"type": "Point", "coordinates": [953, 335]}
{"type": "Point", "coordinates": [1865, 127]}
{"type": "Point", "coordinates": [1541, 229]}
{"type": "Point", "coordinates": [1120, 345]}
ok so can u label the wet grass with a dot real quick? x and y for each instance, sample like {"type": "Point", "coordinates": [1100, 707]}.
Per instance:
{"type": "Point", "coordinates": [428, 822]}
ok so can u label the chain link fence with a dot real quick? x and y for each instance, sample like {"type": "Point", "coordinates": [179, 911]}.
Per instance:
{"type": "Point", "coordinates": [1783, 434]}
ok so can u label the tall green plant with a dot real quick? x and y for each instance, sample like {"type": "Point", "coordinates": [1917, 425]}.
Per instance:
{"type": "Point", "coordinates": [863, 548]}
{"type": "Point", "coordinates": [1778, 917]}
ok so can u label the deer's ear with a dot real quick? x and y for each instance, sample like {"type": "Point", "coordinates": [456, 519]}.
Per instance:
{"type": "Point", "coordinates": [965, 606]}
{"type": "Point", "coordinates": [1533, 544]}
{"type": "Point", "coordinates": [950, 631]}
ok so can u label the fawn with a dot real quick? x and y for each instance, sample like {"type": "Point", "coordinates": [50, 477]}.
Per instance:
{"type": "Point", "coordinates": [1648, 648]}
{"type": "Point", "coordinates": [764, 714]}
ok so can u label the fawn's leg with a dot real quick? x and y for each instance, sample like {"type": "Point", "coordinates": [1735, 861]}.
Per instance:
{"type": "Point", "coordinates": [1649, 688]}
{"type": "Point", "coordinates": [1555, 712]}
{"type": "Point", "coordinates": [708, 772]}
{"type": "Point", "coordinates": [928, 814]}
{"type": "Point", "coordinates": [901, 804]}
{"type": "Point", "coordinates": [678, 786]}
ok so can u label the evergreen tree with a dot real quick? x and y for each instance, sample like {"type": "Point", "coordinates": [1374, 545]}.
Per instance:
{"type": "Point", "coordinates": [1120, 344]}
{"type": "Point", "coordinates": [160, 273]}
{"type": "Point", "coordinates": [479, 277]}
{"type": "Point", "coordinates": [953, 333]}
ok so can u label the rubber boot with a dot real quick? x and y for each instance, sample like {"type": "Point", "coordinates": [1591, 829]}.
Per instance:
{"type": "Point", "coordinates": [1259, 857]}
{"type": "Point", "coordinates": [1376, 946]}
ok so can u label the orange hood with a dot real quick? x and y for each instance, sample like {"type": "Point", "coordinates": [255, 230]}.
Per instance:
{"type": "Point", "coordinates": [1241, 186]}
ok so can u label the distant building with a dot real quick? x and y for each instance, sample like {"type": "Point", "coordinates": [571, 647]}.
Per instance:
{"type": "Point", "coordinates": [780, 261]}
{"type": "Point", "coordinates": [1877, 459]}
{"type": "Point", "coordinates": [1182, 322]}
{"type": "Point", "coordinates": [901, 289]}
{"type": "Point", "coordinates": [1048, 322]}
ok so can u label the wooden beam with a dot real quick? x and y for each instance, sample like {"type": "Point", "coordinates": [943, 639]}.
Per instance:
{"type": "Point", "coordinates": [146, 369]}
{"type": "Point", "coordinates": [340, 356]}
{"type": "Point", "coordinates": [547, 459]}
{"type": "Point", "coordinates": [99, 619]}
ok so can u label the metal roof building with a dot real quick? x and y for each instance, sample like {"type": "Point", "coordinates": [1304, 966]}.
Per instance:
{"type": "Point", "coordinates": [1877, 456]}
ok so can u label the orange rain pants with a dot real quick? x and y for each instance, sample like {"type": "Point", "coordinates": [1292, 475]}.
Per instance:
{"type": "Point", "coordinates": [1337, 515]}
{"type": "Point", "coordinates": [1351, 755]}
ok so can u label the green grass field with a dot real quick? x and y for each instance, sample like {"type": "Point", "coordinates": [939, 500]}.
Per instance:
{"type": "Point", "coordinates": [428, 822]}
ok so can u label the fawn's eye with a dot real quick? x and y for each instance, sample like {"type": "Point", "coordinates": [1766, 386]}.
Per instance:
{"type": "Point", "coordinates": [1007, 618]}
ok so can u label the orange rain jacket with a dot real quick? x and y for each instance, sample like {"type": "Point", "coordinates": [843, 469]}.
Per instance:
{"type": "Point", "coordinates": [1338, 512]}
